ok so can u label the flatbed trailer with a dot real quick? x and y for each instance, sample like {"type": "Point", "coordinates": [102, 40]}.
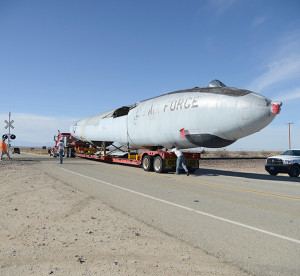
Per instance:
{"type": "Point", "coordinates": [157, 161]}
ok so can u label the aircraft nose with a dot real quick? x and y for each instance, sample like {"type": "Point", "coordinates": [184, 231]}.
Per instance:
{"type": "Point", "coordinates": [256, 112]}
{"type": "Point", "coordinates": [252, 105]}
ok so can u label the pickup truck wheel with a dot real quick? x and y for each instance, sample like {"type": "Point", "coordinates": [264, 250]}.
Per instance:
{"type": "Point", "coordinates": [147, 163]}
{"type": "Point", "coordinates": [294, 171]}
{"type": "Point", "coordinates": [273, 173]}
{"type": "Point", "coordinates": [158, 164]}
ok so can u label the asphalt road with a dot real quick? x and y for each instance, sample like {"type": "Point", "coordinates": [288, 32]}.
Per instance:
{"type": "Point", "coordinates": [250, 222]}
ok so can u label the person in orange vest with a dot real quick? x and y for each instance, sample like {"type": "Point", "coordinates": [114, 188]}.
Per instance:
{"type": "Point", "coordinates": [3, 149]}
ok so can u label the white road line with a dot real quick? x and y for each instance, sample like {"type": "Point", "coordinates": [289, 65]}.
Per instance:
{"type": "Point", "coordinates": [187, 208]}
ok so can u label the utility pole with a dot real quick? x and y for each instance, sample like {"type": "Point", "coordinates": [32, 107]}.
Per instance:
{"type": "Point", "coordinates": [290, 134]}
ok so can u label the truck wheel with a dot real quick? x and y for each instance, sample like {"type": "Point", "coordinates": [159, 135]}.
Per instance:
{"type": "Point", "coordinates": [273, 173]}
{"type": "Point", "coordinates": [147, 163]}
{"type": "Point", "coordinates": [158, 164]}
{"type": "Point", "coordinates": [294, 171]}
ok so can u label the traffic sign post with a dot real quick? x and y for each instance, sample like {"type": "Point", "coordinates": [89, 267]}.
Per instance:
{"type": "Point", "coordinates": [9, 126]}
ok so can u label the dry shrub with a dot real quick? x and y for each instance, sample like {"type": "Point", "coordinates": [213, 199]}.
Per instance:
{"type": "Point", "coordinates": [243, 153]}
{"type": "Point", "coordinates": [269, 153]}
{"type": "Point", "coordinates": [222, 153]}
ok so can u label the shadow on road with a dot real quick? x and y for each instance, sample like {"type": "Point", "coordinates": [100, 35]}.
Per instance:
{"type": "Point", "coordinates": [27, 159]}
{"type": "Point", "coordinates": [197, 173]}
{"type": "Point", "coordinates": [214, 172]}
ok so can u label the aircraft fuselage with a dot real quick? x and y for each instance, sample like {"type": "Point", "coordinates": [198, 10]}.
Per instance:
{"type": "Point", "coordinates": [210, 117]}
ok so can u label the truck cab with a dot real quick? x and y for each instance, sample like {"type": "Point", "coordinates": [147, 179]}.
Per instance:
{"type": "Point", "coordinates": [287, 162]}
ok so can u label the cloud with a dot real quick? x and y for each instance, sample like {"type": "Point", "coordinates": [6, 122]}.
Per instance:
{"type": "Point", "coordinates": [289, 95]}
{"type": "Point", "coordinates": [281, 70]}
{"type": "Point", "coordinates": [220, 6]}
{"type": "Point", "coordinates": [283, 66]}
{"type": "Point", "coordinates": [258, 21]}
{"type": "Point", "coordinates": [36, 130]}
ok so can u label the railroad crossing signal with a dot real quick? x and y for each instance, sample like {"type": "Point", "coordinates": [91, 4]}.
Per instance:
{"type": "Point", "coordinates": [9, 124]}
{"type": "Point", "coordinates": [11, 136]}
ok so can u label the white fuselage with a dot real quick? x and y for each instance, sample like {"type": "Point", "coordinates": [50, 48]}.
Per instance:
{"type": "Point", "coordinates": [208, 117]}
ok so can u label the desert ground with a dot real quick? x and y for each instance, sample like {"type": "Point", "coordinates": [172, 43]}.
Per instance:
{"type": "Point", "coordinates": [49, 228]}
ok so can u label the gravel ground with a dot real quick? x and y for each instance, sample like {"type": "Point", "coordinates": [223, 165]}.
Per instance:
{"type": "Point", "coordinates": [236, 165]}
{"type": "Point", "coordinates": [47, 227]}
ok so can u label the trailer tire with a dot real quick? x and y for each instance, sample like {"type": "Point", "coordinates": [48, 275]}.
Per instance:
{"type": "Point", "coordinates": [158, 164]}
{"type": "Point", "coordinates": [147, 163]}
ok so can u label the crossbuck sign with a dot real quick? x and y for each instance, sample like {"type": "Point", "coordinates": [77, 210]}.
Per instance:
{"type": "Point", "coordinates": [9, 124]}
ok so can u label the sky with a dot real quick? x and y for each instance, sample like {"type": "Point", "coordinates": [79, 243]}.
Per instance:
{"type": "Point", "coordinates": [64, 60]}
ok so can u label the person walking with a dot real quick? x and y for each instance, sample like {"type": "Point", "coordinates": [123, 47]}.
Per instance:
{"type": "Point", "coordinates": [3, 149]}
{"type": "Point", "coordinates": [180, 160]}
{"type": "Point", "coordinates": [60, 148]}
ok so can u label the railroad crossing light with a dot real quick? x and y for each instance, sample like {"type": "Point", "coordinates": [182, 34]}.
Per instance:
{"type": "Point", "coordinates": [12, 136]}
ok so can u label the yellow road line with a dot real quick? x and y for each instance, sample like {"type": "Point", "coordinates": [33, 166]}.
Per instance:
{"type": "Point", "coordinates": [200, 182]}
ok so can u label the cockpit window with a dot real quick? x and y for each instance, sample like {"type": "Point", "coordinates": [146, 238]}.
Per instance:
{"type": "Point", "coordinates": [216, 83]}
{"type": "Point", "coordinates": [122, 111]}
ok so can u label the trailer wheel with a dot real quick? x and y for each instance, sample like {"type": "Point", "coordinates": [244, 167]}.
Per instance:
{"type": "Point", "coordinates": [158, 164]}
{"type": "Point", "coordinates": [147, 163]}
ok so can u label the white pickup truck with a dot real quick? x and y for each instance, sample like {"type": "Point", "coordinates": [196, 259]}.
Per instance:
{"type": "Point", "coordinates": [287, 162]}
